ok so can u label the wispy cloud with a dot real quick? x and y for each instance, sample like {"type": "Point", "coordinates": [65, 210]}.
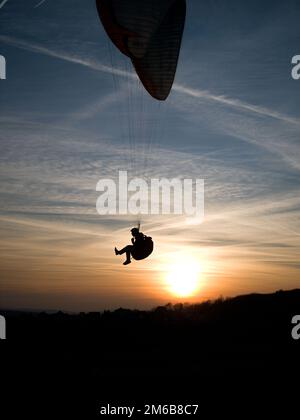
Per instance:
{"type": "Point", "coordinates": [91, 110]}
{"type": "Point", "coordinates": [246, 129]}
{"type": "Point", "coordinates": [49, 176]}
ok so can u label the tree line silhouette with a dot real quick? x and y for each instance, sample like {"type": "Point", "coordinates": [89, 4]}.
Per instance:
{"type": "Point", "coordinates": [191, 352]}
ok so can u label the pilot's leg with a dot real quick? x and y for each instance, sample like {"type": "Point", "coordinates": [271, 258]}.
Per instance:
{"type": "Point", "coordinates": [126, 250]}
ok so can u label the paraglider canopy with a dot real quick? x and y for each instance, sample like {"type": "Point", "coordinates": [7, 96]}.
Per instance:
{"type": "Point", "coordinates": [150, 33]}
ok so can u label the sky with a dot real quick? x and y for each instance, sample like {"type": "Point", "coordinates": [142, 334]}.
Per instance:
{"type": "Point", "coordinates": [232, 119]}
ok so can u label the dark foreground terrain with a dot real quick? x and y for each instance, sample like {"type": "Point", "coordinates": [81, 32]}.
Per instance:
{"type": "Point", "coordinates": [234, 356]}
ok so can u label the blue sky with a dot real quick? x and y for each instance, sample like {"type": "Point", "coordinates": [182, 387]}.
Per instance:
{"type": "Point", "coordinates": [232, 119]}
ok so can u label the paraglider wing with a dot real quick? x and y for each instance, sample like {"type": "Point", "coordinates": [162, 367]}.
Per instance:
{"type": "Point", "coordinates": [157, 68]}
{"type": "Point", "coordinates": [150, 33]}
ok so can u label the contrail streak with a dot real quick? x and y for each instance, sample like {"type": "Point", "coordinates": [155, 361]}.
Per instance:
{"type": "Point", "coordinates": [3, 3]}
{"type": "Point", "coordinates": [66, 57]}
{"type": "Point", "coordinates": [235, 103]}
{"type": "Point", "coordinates": [40, 3]}
{"type": "Point", "coordinates": [194, 93]}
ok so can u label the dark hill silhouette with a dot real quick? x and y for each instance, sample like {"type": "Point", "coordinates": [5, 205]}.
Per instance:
{"type": "Point", "coordinates": [229, 347]}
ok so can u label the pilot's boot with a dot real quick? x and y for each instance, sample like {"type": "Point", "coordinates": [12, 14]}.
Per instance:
{"type": "Point", "coordinates": [117, 252]}
{"type": "Point", "coordinates": [127, 262]}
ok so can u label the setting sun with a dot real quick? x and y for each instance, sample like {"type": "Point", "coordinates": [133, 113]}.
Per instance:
{"type": "Point", "coordinates": [183, 279]}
